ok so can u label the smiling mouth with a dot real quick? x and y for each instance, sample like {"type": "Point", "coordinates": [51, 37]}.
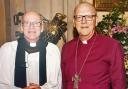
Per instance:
{"type": "Point", "coordinates": [84, 27]}
{"type": "Point", "coordinates": [31, 32]}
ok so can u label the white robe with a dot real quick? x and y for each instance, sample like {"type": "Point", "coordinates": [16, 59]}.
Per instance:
{"type": "Point", "coordinates": [7, 66]}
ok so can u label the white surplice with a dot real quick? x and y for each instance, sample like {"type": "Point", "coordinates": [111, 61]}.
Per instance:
{"type": "Point", "coordinates": [7, 66]}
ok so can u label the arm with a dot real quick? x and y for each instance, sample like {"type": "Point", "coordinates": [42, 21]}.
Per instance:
{"type": "Point", "coordinates": [117, 69]}
{"type": "Point", "coordinates": [63, 69]}
{"type": "Point", "coordinates": [6, 67]}
{"type": "Point", "coordinates": [5, 86]}
{"type": "Point", "coordinates": [53, 68]}
{"type": "Point", "coordinates": [53, 84]}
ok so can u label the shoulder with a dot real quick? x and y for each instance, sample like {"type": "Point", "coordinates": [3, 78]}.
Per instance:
{"type": "Point", "coordinates": [69, 45]}
{"type": "Point", "coordinates": [8, 50]}
{"type": "Point", "coordinates": [52, 47]}
{"type": "Point", "coordinates": [108, 43]}
{"type": "Point", "coordinates": [9, 45]}
{"type": "Point", "coordinates": [52, 51]}
{"type": "Point", "coordinates": [71, 42]}
{"type": "Point", "coordinates": [107, 39]}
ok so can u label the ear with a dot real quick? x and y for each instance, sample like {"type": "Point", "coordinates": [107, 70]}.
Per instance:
{"type": "Point", "coordinates": [74, 23]}
{"type": "Point", "coordinates": [96, 20]}
{"type": "Point", "coordinates": [21, 28]}
{"type": "Point", "coordinates": [42, 30]}
{"type": "Point", "coordinates": [42, 27]}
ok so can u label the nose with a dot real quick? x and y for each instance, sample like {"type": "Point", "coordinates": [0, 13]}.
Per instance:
{"type": "Point", "coordinates": [31, 25]}
{"type": "Point", "coordinates": [84, 20]}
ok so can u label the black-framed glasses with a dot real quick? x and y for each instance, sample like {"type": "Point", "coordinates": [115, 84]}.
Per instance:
{"type": "Point", "coordinates": [34, 24]}
{"type": "Point", "coordinates": [81, 17]}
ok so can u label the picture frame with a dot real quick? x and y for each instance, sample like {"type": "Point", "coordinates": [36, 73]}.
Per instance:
{"type": "Point", "coordinates": [105, 5]}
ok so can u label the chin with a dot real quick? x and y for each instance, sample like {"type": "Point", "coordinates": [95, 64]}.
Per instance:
{"type": "Point", "coordinates": [84, 33]}
{"type": "Point", "coordinates": [32, 39]}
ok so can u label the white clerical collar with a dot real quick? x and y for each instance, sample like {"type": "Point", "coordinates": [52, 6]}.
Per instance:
{"type": "Point", "coordinates": [32, 44]}
{"type": "Point", "coordinates": [84, 42]}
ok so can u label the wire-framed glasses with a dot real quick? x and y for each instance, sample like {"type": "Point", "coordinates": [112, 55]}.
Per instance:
{"type": "Point", "coordinates": [34, 24]}
{"type": "Point", "coordinates": [86, 17]}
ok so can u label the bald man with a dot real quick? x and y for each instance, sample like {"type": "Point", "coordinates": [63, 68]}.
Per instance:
{"type": "Point", "coordinates": [30, 62]}
{"type": "Point", "coordinates": [94, 61]}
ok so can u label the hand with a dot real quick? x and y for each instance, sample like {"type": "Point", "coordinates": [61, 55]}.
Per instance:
{"type": "Point", "coordinates": [32, 86]}
{"type": "Point", "coordinates": [26, 87]}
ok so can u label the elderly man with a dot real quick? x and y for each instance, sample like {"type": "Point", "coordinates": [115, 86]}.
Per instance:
{"type": "Point", "coordinates": [30, 62]}
{"type": "Point", "coordinates": [94, 61]}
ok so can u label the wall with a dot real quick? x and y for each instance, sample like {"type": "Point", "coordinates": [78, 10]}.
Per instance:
{"type": "Point", "coordinates": [48, 8]}
{"type": "Point", "coordinates": [2, 23]}
{"type": "Point", "coordinates": [5, 21]}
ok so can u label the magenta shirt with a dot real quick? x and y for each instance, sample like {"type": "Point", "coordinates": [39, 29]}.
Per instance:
{"type": "Point", "coordinates": [103, 69]}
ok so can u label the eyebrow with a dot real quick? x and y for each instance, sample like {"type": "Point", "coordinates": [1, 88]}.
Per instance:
{"type": "Point", "coordinates": [32, 21]}
{"type": "Point", "coordinates": [86, 15]}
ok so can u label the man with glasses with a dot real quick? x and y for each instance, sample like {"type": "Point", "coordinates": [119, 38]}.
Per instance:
{"type": "Point", "coordinates": [91, 60]}
{"type": "Point", "coordinates": [30, 62]}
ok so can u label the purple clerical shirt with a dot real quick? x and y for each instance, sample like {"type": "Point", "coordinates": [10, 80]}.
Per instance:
{"type": "Point", "coordinates": [103, 69]}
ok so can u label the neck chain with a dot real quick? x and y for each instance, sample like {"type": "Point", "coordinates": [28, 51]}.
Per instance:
{"type": "Point", "coordinates": [76, 78]}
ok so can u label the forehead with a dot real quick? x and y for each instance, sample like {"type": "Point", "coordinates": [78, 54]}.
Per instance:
{"type": "Point", "coordinates": [85, 9]}
{"type": "Point", "coordinates": [31, 16]}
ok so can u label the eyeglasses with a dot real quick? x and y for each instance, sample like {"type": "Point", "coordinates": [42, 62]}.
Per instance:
{"type": "Point", "coordinates": [81, 17]}
{"type": "Point", "coordinates": [34, 24]}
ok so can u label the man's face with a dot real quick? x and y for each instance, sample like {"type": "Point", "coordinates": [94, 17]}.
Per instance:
{"type": "Point", "coordinates": [85, 20]}
{"type": "Point", "coordinates": [32, 26]}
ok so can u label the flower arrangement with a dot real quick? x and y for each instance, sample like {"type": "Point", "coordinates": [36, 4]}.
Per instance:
{"type": "Point", "coordinates": [114, 25]}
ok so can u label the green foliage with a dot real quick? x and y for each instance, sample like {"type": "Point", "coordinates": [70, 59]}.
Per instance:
{"type": "Point", "coordinates": [113, 24]}
{"type": "Point", "coordinates": [114, 17]}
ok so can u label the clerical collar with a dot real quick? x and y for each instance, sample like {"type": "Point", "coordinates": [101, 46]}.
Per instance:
{"type": "Point", "coordinates": [31, 47]}
{"type": "Point", "coordinates": [32, 44]}
{"type": "Point", "coordinates": [87, 41]}
{"type": "Point", "coordinates": [84, 42]}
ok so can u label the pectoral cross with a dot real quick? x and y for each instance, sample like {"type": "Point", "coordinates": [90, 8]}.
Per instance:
{"type": "Point", "coordinates": [76, 79]}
